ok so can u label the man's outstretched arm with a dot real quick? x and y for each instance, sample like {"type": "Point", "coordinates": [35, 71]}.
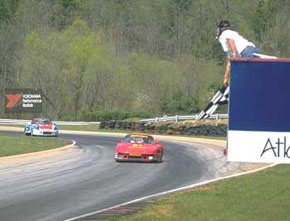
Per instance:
{"type": "Point", "coordinates": [227, 74]}
{"type": "Point", "coordinates": [234, 53]}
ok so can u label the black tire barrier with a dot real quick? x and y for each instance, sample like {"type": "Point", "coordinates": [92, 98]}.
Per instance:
{"type": "Point", "coordinates": [118, 125]}
{"type": "Point", "coordinates": [168, 128]}
{"type": "Point", "coordinates": [112, 124]}
{"type": "Point", "coordinates": [102, 124]}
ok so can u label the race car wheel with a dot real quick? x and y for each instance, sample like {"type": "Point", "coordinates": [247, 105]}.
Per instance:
{"type": "Point", "coordinates": [160, 158]}
{"type": "Point", "coordinates": [26, 134]}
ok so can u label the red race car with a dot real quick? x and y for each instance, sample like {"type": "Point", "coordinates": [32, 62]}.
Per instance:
{"type": "Point", "coordinates": [139, 147]}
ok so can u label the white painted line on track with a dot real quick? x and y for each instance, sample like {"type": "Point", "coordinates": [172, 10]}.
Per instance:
{"type": "Point", "coordinates": [172, 191]}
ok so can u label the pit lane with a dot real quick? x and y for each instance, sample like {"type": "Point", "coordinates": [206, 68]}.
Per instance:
{"type": "Point", "coordinates": [87, 178]}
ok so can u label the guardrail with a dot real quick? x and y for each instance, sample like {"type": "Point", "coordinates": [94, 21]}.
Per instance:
{"type": "Point", "coordinates": [69, 123]}
{"type": "Point", "coordinates": [177, 118]}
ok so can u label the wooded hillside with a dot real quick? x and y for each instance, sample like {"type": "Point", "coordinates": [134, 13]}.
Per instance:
{"type": "Point", "coordinates": [149, 56]}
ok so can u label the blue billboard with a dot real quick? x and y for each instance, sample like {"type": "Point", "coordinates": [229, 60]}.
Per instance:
{"type": "Point", "coordinates": [259, 111]}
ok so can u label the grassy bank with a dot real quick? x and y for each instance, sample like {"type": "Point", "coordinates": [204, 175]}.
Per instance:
{"type": "Point", "coordinates": [260, 196]}
{"type": "Point", "coordinates": [13, 145]}
{"type": "Point", "coordinates": [92, 128]}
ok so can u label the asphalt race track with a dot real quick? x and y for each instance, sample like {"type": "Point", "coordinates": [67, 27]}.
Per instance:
{"type": "Point", "coordinates": [88, 179]}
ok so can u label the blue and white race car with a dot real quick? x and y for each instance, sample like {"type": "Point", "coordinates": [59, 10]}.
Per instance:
{"type": "Point", "coordinates": [41, 127]}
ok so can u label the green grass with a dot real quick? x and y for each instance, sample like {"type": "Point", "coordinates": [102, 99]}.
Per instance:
{"type": "Point", "coordinates": [260, 196]}
{"type": "Point", "coordinates": [93, 127]}
{"type": "Point", "coordinates": [13, 145]}
{"type": "Point", "coordinates": [13, 125]}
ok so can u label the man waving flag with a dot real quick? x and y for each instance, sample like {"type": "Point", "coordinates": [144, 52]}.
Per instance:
{"type": "Point", "coordinates": [221, 97]}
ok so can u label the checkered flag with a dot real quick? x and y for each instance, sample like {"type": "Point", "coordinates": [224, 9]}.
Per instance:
{"type": "Point", "coordinates": [221, 97]}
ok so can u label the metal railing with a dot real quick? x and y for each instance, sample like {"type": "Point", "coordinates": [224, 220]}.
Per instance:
{"type": "Point", "coordinates": [177, 118]}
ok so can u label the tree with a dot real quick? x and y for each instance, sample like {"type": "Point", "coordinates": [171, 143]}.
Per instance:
{"type": "Point", "coordinates": [7, 9]}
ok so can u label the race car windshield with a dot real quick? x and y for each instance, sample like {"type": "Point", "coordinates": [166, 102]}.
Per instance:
{"type": "Point", "coordinates": [43, 121]}
{"type": "Point", "coordinates": [141, 139]}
